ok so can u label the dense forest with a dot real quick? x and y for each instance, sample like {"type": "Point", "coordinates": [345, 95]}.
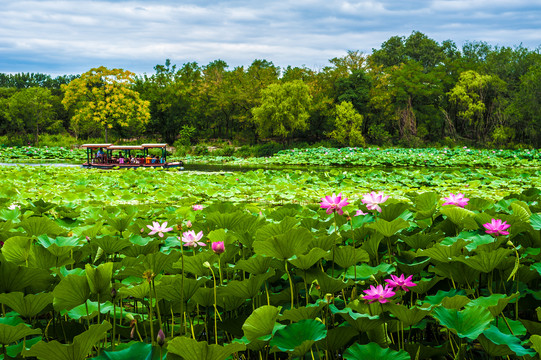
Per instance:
{"type": "Point", "coordinates": [412, 91]}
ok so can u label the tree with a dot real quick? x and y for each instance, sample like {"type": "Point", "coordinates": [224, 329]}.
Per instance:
{"type": "Point", "coordinates": [106, 97]}
{"type": "Point", "coordinates": [348, 124]}
{"type": "Point", "coordinates": [284, 109]}
{"type": "Point", "coordinates": [31, 109]}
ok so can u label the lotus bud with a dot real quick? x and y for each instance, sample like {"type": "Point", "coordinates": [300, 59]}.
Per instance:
{"type": "Point", "coordinates": [373, 278]}
{"type": "Point", "coordinates": [510, 243]}
{"type": "Point", "coordinates": [113, 293]}
{"type": "Point", "coordinates": [218, 247]}
{"type": "Point", "coordinates": [189, 224]}
{"type": "Point", "coordinates": [206, 264]}
{"type": "Point", "coordinates": [88, 238]}
{"type": "Point", "coordinates": [160, 339]}
{"type": "Point", "coordinates": [329, 298]}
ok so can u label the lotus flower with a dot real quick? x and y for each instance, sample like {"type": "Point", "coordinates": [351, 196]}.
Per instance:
{"type": "Point", "coordinates": [157, 228]}
{"type": "Point", "coordinates": [160, 338]}
{"type": "Point", "coordinates": [218, 247]}
{"type": "Point", "coordinates": [190, 239]}
{"type": "Point", "coordinates": [373, 199]}
{"type": "Point", "coordinates": [458, 200]}
{"type": "Point", "coordinates": [334, 203]}
{"type": "Point", "coordinates": [400, 282]}
{"type": "Point", "coordinates": [379, 293]}
{"type": "Point", "coordinates": [497, 227]}
{"type": "Point", "coordinates": [360, 212]}
{"type": "Point", "coordinates": [197, 207]}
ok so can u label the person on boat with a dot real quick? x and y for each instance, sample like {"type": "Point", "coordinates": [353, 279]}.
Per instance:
{"type": "Point", "coordinates": [162, 160]}
{"type": "Point", "coordinates": [148, 159]}
{"type": "Point", "coordinates": [99, 155]}
{"type": "Point", "coordinates": [154, 159]}
{"type": "Point", "coordinates": [120, 159]}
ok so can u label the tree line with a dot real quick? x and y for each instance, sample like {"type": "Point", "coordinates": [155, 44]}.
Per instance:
{"type": "Point", "coordinates": [412, 91]}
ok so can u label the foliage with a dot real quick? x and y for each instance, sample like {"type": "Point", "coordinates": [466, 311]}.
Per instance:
{"type": "Point", "coordinates": [348, 125]}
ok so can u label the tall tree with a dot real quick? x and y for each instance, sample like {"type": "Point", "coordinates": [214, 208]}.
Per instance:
{"type": "Point", "coordinates": [284, 109]}
{"type": "Point", "coordinates": [106, 97]}
{"type": "Point", "coordinates": [348, 125]}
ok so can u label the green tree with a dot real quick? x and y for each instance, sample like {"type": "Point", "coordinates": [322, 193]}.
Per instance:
{"type": "Point", "coordinates": [476, 98]}
{"type": "Point", "coordinates": [348, 124]}
{"type": "Point", "coordinates": [31, 109]}
{"type": "Point", "coordinates": [284, 109]}
{"type": "Point", "coordinates": [106, 97]}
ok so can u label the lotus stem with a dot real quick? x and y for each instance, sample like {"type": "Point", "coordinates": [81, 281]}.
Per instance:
{"type": "Point", "coordinates": [150, 314]}
{"type": "Point", "coordinates": [114, 325]}
{"type": "Point", "coordinates": [182, 291]}
{"type": "Point", "coordinates": [216, 314]}
{"type": "Point", "coordinates": [290, 286]}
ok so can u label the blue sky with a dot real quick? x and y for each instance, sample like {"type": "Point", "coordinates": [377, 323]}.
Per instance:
{"type": "Point", "coordinates": [70, 37]}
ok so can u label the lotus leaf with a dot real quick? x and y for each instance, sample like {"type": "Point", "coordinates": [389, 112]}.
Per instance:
{"type": "Point", "coordinates": [361, 322]}
{"type": "Point", "coordinates": [495, 303]}
{"type": "Point", "coordinates": [337, 338]}
{"type": "Point", "coordinates": [26, 306]}
{"type": "Point", "coordinates": [73, 290]}
{"type": "Point", "coordinates": [12, 329]}
{"type": "Point", "coordinates": [135, 351]}
{"type": "Point", "coordinates": [310, 311]}
{"type": "Point", "coordinates": [497, 343]}
{"type": "Point", "coordinates": [191, 349]}
{"type": "Point", "coordinates": [468, 323]}
{"type": "Point", "coordinates": [110, 244]}
{"type": "Point", "coordinates": [293, 242]}
{"type": "Point", "coordinates": [408, 316]}
{"type": "Point", "coordinates": [255, 265]}
{"type": "Point", "coordinates": [346, 256]}
{"type": "Point", "coordinates": [36, 226]}
{"type": "Point", "coordinates": [485, 261]}
{"type": "Point", "coordinates": [373, 351]}
{"type": "Point", "coordinates": [389, 228]}
{"type": "Point", "coordinates": [260, 323]}
{"type": "Point", "coordinates": [364, 272]}
{"type": "Point", "coordinates": [299, 337]}
{"type": "Point", "coordinates": [99, 278]}
{"type": "Point", "coordinates": [16, 249]}
{"type": "Point", "coordinates": [82, 345]}
{"type": "Point", "coordinates": [306, 261]}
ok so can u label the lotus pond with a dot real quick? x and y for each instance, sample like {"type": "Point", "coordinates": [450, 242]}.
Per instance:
{"type": "Point", "coordinates": [154, 264]}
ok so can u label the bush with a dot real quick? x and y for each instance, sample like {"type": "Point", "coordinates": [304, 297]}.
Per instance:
{"type": "Point", "coordinates": [200, 150]}
{"type": "Point", "coordinates": [180, 150]}
{"type": "Point", "coordinates": [244, 151]}
{"type": "Point", "coordinates": [64, 140]}
{"type": "Point", "coordinates": [267, 149]}
{"type": "Point", "coordinates": [225, 151]}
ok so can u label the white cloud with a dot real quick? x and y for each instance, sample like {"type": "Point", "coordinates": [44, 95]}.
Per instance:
{"type": "Point", "coordinates": [61, 37]}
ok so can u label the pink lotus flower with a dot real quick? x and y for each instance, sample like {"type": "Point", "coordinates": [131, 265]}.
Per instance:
{"type": "Point", "coordinates": [373, 200]}
{"type": "Point", "coordinates": [400, 282]}
{"type": "Point", "coordinates": [458, 200]}
{"type": "Point", "coordinates": [379, 293]}
{"type": "Point", "coordinates": [497, 227]}
{"type": "Point", "coordinates": [190, 239]}
{"type": "Point", "coordinates": [334, 203]}
{"type": "Point", "coordinates": [157, 228]}
{"type": "Point", "coordinates": [360, 212]}
{"type": "Point", "coordinates": [14, 206]}
{"type": "Point", "coordinates": [218, 247]}
{"type": "Point", "coordinates": [197, 207]}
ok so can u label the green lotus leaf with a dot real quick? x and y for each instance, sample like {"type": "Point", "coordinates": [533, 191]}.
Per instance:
{"type": "Point", "coordinates": [421, 240]}
{"type": "Point", "coordinates": [444, 253]}
{"type": "Point", "coordinates": [120, 223]}
{"type": "Point", "coordinates": [441, 295]}
{"type": "Point", "coordinates": [111, 244]}
{"type": "Point", "coordinates": [485, 261]}
{"type": "Point", "coordinates": [459, 272]}
{"type": "Point", "coordinates": [73, 290]}
{"type": "Point", "coordinates": [364, 272]}
{"type": "Point", "coordinates": [306, 261]}
{"type": "Point", "coordinates": [14, 350]}
{"type": "Point", "coordinates": [495, 303]}
{"type": "Point", "coordinates": [221, 235]}
{"type": "Point", "coordinates": [460, 216]}
{"type": "Point", "coordinates": [299, 337]}
{"type": "Point", "coordinates": [468, 323]}
{"type": "Point", "coordinates": [504, 344]}
{"type": "Point", "coordinates": [260, 323]}
{"type": "Point", "coordinates": [42, 258]}
{"type": "Point", "coordinates": [156, 263]}
{"type": "Point", "coordinates": [60, 245]}
{"type": "Point", "coordinates": [99, 278]}
{"type": "Point", "coordinates": [330, 285]}
{"type": "Point", "coordinates": [425, 284]}
{"type": "Point", "coordinates": [373, 351]}
{"type": "Point", "coordinates": [10, 215]}
{"type": "Point", "coordinates": [40, 206]}
{"type": "Point", "coordinates": [388, 228]}
{"type": "Point", "coordinates": [408, 316]}
{"type": "Point", "coordinates": [204, 297]}
{"type": "Point", "coordinates": [393, 211]}
{"type": "Point", "coordinates": [16, 278]}
{"type": "Point", "coordinates": [255, 265]}
{"type": "Point", "coordinates": [535, 221]}
{"type": "Point", "coordinates": [194, 264]}
{"type": "Point", "coordinates": [474, 240]}
{"type": "Point", "coordinates": [521, 210]}
{"type": "Point", "coordinates": [337, 338]}
{"type": "Point", "coordinates": [11, 330]}
{"type": "Point", "coordinates": [26, 306]}
{"type": "Point", "coordinates": [361, 322]}
{"type": "Point", "coordinates": [36, 226]}
{"type": "Point", "coordinates": [16, 249]}
{"type": "Point", "coordinates": [169, 287]}
{"type": "Point", "coordinates": [233, 221]}
{"type": "Point", "coordinates": [191, 349]}
{"type": "Point", "coordinates": [346, 256]}
{"type": "Point", "coordinates": [79, 349]}
{"type": "Point", "coordinates": [247, 288]}
{"type": "Point", "coordinates": [135, 351]}
{"type": "Point", "coordinates": [536, 343]}
{"type": "Point", "coordinates": [420, 351]}
{"type": "Point", "coordinates": [426, 204]}
{"type": "Point", "coordinates": [293, 242]}
{"type": "Point", "coordinates": [272, 230]}
{"type": "Point", "coordinates": [140, 291]}
{"type": "Point", "coordinates": [413, 266]}
{"type": "Point", "coordinates": [310, 311]}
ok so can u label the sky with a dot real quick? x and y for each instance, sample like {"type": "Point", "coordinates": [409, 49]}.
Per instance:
{"type": "Point", "coordinates": [71, 37]}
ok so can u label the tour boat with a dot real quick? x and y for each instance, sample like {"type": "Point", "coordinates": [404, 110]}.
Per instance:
{"type": "Point", "coordinates": [110, 156]}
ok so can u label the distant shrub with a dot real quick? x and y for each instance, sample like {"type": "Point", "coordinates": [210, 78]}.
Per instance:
{"type": "Point", "coordinates": [267, 149]}
{"type": "Point", "coordinates": [200, 150]}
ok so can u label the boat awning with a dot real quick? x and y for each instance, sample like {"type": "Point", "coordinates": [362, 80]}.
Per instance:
{"type": "Point", "coordinates": [95, 146]}
{"type": "Point", "coordinates": [148, 146]}
{"type": "Point", "coordinates": [125, 147]}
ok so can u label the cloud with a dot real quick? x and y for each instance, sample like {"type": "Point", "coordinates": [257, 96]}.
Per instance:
{"type": "Point", "coordinates": [62, 37]}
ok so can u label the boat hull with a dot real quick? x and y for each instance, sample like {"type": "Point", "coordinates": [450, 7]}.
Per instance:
{"type": "Point", "coordinates": [172, 165]}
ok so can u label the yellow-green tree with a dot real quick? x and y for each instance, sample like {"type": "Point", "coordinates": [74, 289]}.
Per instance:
{"type": "Point", "coordinates": [348, 124]}
{"type": "Point", "coordinates": [105, 97]}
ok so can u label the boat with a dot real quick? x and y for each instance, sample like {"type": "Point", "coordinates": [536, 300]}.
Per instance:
{"type": "Point", "coordinates": [110, 156]}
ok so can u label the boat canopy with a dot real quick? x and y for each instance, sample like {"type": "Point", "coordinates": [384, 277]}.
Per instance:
{"type": "Point", "coordinates": [125, 147]}
{"type": "Point", "coordinates": [96, 146]}
{"type": "Point", "coordinates": [149, 146]}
